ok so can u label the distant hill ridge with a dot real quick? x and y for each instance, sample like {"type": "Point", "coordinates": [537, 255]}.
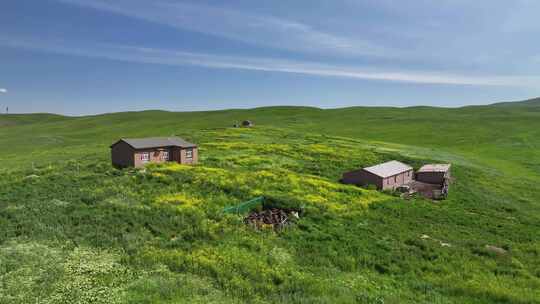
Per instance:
{"type": "Point", "coordinates": [534, 102]}
{"type": "Point", "coordinates": [42, 117]}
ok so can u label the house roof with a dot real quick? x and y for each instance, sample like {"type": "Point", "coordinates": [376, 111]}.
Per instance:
{"type": "Point", "coordinates": [435, 168]}
{"type": "Point", "coordinates": [157, 142]}
{"type": "Point", "coordinates": [388, 169]}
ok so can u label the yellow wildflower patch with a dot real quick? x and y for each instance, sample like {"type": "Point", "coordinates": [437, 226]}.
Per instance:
{"type": "Point", "coordinates": [179, 199]}
{"type": "Point", "coordinates": [315, 199]}
{"type": "Point", "coordinates": [173, 167]}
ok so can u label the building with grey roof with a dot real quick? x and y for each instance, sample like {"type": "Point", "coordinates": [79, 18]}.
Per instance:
{"type": "Point", "coordinates": [389, 175]}
{"type": "Point", "coordinates": [137, 152]}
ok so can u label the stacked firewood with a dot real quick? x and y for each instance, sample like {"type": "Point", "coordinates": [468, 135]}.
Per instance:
{"type": "Point", "coordinates": [274, 217]}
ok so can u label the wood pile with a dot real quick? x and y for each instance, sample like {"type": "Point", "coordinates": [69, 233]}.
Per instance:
{"type": "Point", "coordinates": [274, 217]}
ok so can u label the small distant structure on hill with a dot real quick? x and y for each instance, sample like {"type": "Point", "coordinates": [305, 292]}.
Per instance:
{"type": "Point", "coordinates": [137, 152]}
{"type": "Point", "coordinates": [389, 175]}
{"type": "Point", "coordinates": [247, 124]}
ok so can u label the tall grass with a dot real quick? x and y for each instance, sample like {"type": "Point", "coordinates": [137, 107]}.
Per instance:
{"type": "Point", "coordinates": [80, 231]}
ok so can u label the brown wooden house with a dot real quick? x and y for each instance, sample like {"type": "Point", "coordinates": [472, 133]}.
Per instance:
{"type": "Point", "coordinates": [137, 152]}
{"type": "Point", "coordinates": [389, 175]}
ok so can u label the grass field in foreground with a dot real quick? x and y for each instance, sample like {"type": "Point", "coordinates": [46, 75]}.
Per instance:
{"type": "Point", "coordinates": [74, 229]}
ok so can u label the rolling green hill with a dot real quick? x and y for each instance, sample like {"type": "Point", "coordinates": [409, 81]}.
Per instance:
{"type": "Point", "coordinates": [75, 230]}
{"type": "Point", "coordinates": [532, 103]}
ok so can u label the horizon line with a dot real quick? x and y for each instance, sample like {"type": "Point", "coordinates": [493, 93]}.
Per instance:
{"type": "Point", "coordinates": [271, 106]}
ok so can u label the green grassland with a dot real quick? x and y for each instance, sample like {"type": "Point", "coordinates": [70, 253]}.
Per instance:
{"type": "Point", "coordinates": [75, 230]}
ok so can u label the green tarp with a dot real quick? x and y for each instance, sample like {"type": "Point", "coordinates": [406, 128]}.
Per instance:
{"type": "Point", "coordinates": [245, 206]}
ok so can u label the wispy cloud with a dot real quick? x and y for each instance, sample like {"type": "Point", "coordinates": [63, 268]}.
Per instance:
{"type": "Point", "coordinates": [241, 26]}
{"type": "Point", "coordinates": [3, 90]}
{"type": "Point", "coordinates": [181, 58]}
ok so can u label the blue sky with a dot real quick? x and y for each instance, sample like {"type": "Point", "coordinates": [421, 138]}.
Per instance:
{"type": "Point", "coordinates": [80, 57]}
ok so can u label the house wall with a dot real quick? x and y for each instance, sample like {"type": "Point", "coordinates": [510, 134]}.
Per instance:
{"type": "Point", "coordinates": [155, 156]}
{"type": "Point", "coordinates": [398, 180]}
{"type": "Point", "coordinates": [122, 155]}
{"type": "Point", "coordinates": [189, 161]}
{"type": "Point", "coordinates": [362, 178]}
{"type": "Point", "coordinates": [176, 154]}
{"type": "Point", "coordinates": [431, 177]}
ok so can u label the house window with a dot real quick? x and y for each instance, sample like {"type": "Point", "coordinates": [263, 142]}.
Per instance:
{"type": "Point", "coordinates": [165, 155]}
{"type": "Point", "coordinates": [189, 153]}
{"type": "Point", "coordinates": [145, 156]}
{"type": "Point", "coordinates": [395, 179]}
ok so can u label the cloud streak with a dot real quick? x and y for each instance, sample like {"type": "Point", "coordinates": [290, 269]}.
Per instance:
{"type": "Point", "coordinates": [261, 64]}
{"type": "Point", "coordinates": [241, 26]}
{"type": "Point", "coordinates": [3, 90]}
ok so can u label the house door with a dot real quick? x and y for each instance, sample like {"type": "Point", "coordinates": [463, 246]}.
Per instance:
{"type": "Point", "coordinates": [176, 155]}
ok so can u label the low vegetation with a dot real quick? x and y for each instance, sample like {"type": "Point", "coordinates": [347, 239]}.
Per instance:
{"type": "Point", "coordinates": [75, 230]}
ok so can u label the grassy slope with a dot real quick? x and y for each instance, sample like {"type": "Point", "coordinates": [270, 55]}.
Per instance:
{"type": "Point", "coordinates": [158, 236]}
